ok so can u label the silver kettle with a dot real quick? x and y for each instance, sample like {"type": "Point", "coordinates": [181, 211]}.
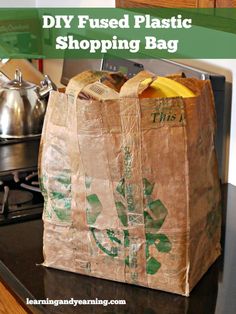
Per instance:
{"type": "Point", "coordinates": [22, 107]}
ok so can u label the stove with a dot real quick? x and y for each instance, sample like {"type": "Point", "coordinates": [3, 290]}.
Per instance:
{"type": "Point", "coordinates": [20, 195]}
{"type": "Point", "coordinates": [9, 141]}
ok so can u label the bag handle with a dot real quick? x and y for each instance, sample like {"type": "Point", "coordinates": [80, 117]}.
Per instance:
{"type": "Point", "coordinates": [78, 82]}
{"type": "Point", "coordinates": [134, 87]}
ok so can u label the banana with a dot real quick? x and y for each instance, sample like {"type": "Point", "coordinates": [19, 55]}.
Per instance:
{"type": "Point", "coordinates": [164, 87]}
{"type": "Point", "coordinates": [157, 90]}
{"type": "Point", "coordinates": [180, 89]}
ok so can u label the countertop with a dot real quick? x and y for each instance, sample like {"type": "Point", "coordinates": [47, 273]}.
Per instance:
{"type": "Point", "coordinates": [21, 254]}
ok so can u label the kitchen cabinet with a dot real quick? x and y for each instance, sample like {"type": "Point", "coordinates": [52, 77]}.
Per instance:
{"type": "Point", "coordinates": [166, 4]}
{"type": "Point", "coordinates": [225, 3]}
{"type": "Point", "coordinates": [176, 3]}
{"type": "Point", "coordinates": [8, 304]}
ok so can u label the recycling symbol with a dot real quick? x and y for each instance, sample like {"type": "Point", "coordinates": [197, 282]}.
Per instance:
{"type": "Point", "coordinates": [110, 241]}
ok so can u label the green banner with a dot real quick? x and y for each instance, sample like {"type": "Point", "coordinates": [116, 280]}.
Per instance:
{"type": "Point", "coordinates": [133, 33]}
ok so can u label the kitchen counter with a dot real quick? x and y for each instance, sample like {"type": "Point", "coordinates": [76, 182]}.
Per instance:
{"type": "Point", "coordinates": [20, 270]}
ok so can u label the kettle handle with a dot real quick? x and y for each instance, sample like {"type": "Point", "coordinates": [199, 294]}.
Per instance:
{"type": "Point", "coordinates": [47, 85]}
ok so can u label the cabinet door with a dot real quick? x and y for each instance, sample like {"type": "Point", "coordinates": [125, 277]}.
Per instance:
{"type": "Point", "coordinates": [8, 304]}
{"type": "Point", "coordinates": [166, 3]}
{"type": "Point", "coordinates": [226, 3]}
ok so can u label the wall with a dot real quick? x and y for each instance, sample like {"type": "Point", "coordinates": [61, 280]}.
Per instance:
{"type": "Point", "coordinates": [225, 67]}
{"type": "Point", "coordinates": [14, 3]}
{"type": "Point", "coordinates": [57, 3]}
{"type": "Point", "coordinates": [74, 3]}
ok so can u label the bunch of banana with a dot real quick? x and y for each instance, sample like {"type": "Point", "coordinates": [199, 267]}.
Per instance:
{"type": "Point", "coordinates": [165, 87]}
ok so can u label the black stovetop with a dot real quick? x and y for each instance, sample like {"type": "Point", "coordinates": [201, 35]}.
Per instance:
{"type": "Point", "coordinates": [21, 252]}
{"type": "Point", "coordinates": [20, 196]}
{"type": "Point", "coordinates": [19, 155]}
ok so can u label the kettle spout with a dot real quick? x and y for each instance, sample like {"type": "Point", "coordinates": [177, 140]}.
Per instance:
{"type": "Point", "coordinates": [46, 86]}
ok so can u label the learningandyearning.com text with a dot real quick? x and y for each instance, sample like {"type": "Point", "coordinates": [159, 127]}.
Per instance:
{"type": "Point", "coordinates": [75, 302]}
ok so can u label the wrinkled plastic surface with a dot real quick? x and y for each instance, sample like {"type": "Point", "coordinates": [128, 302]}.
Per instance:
{"type": "Point", "coordinates": [131, 185]}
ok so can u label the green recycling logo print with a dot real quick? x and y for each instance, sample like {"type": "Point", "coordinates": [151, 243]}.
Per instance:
{"type": "Point", "coordinates": [155, 214]}
{"type": "Point", "coordinates": [61, 199]}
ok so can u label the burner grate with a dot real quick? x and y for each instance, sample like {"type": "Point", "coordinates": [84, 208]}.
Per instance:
{"type": "Point", "coordinates": [16, 198]}
{"type": "Point", "coordinates": [20, 196]}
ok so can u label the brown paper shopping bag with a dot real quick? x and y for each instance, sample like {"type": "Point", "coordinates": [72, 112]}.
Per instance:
{"type": "Point", "coordinates": [131, 185]}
